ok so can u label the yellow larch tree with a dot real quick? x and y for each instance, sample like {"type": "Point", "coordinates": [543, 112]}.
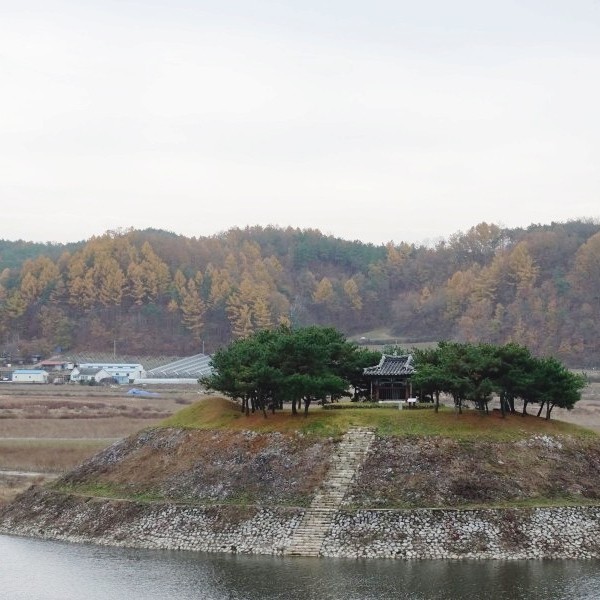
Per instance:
{"type": "Point", "coordinates": [179, 285]}
{"type": "Point", "coordinates": [261, 312]}
{"type": "Point", "coordinates": [15, 305]}
{"type": "Point", "coordinates": [241, 308]}
{"type": "Point", "coordinates": [109, 280]}
{"type": "Point", "coordinates": [220, 284]}
{"type": "Point", "coordinates": [323, 293]}
{"type": "Point", "coordinates": [193, 310]}
{"type": "Point", "coordinates": [488, 280]}
{"type": "Point", "coordinates": [521, 267]}
{"type": "Point", "coordinates": [29, 288]}
{"type": "Point", "coordinates": [352, 292]}
{"type": "Point", "coordinates": [135, 283]}
{"type": "Point", "coordinates": [585, 275]}
{"type": "Point", "coordinates": [459, 289]}
{"type": "Point", "coordinates": [80, 284]}
{"type": "Point", "coordinates": [37, 277]}
{"type": "Point", "coordinates": [241, 321]}
{"type": "Point", "coordinates": [155, 273]}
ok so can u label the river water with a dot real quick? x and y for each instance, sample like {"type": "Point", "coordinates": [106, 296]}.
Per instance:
{"type": "Point", "coordinates": [46, 570]}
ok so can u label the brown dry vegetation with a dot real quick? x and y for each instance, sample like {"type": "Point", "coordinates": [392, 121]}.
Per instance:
{"type": "Point", "coordinates": [82, 412]}
{"type": "Point", "coordinates": [50, 429]}
{"type": "Point", "coordinates": [441, 472]}
{"type": "Point", "coordinates": [12, 484]}
{"type": "Point", "coordinates": [47, 455]}
{"type": "Point", "coordinates": [202, 466]}
{"type": "Point", "coordinates": [284, 468]}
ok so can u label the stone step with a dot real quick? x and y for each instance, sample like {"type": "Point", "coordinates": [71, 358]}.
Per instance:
{"type": "Point", "coordinates": [349, 456]}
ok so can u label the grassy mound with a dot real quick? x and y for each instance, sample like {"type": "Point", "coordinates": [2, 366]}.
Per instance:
{"type": "Point", "coordinates": [211, 453]}
{"type": "Point", "coordinates": [220, 413]}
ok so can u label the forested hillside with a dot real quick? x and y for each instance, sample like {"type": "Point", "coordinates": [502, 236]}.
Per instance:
{"type": "Point", "coordinates": [153, 291]}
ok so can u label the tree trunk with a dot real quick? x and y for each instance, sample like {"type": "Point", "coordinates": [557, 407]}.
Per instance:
{"type": "Point", "coordinates": [294, 410]}
{"type": "Point", "coordinates": [306, 405]}
{"type": "Point", "coordinates": [437, 401]}
{"type": "Point", "coordinates": [458, 404]}
{"type": "Point", "coordinates": [539, 412]}
{"type": "Point", "coordinates": [262, 405]}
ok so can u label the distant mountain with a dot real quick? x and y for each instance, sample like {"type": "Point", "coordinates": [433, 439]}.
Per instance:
{"type": "Point", "coordinates": [153, 289]}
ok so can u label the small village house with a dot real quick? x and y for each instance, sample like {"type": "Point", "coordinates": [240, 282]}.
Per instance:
{"type": "Point", "coordinates": [88, 375]}
{"type": "Point", "coordinates": [121, 373]}
{"type": "Point", "coordinates": [30, 376]}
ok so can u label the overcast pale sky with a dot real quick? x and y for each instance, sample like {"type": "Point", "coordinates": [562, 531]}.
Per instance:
{"type": "Point", "coordinates": [380, 120]}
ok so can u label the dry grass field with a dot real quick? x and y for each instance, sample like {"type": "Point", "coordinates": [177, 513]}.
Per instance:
{"type": "Point", "coordinates": [586, 412]}
{"type": "Point", "coordinates": [47, 430]}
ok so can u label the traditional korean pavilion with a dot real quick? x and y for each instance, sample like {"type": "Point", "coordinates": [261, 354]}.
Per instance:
{"type": "Point", "coordinates": [390, 379]}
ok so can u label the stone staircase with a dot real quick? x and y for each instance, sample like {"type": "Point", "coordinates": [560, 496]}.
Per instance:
{"type": "Point", "coordinates": [350, 455]}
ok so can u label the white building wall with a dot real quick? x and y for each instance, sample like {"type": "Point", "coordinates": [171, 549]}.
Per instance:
{"type": "Point", "coordinates": [31, 377]}
{"type": "Point", "coordinates": [129, 370]}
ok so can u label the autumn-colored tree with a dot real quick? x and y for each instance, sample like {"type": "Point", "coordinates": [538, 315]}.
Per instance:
{"type": "Point", "coordinates": [155, 273]}
{"type": "Point", "coordinates": [14, 305]}
{"type": "Point", "coordinates": [109, 281]}
{"type": "Point", "coordinates": [324, 293]}
{"type": "Point", "coordinates": [261, 313]}
{"type": "Point", "coordinates": [585, 275]}
{"type": "Point", "coordinates": [194, 310]}
{"type": "Point", "coordinates": [81, 288]}
{"type": "Point", "coordinates": [522, 269]}
{"type": "Point", "coordinates": [240, 318]}
{"type": "Point", "coordinates": [179, 285]}
{"type": "Point", "coordinates": [478, 245]}
{"type": "Point", "coordinates": [353, 294]}
{"type": "Point", "coordinates": [221, 284]}
{"type": "Point", "coordinates": [459, 290]}
{"type": "Point", "coordinates": [38, 277]}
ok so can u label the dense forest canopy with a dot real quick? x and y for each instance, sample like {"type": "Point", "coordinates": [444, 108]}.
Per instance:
{"type": "Point", "coordinates": [152, 289]}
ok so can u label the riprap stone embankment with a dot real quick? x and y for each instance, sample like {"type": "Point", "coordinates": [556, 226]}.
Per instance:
{"type": "Point", "coordinates": [253, 493]}
{"type": "Point", "coordinates": [566, 532]}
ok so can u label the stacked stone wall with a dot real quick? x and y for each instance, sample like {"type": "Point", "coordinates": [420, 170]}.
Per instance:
{"type": "Point", "coordinates": [562, 532]}
{"type": "Point", "coordinates": [515, 533]}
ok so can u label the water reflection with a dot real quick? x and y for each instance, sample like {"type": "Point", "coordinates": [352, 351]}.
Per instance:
{"type": "Point", "coordinates": [42, 570]}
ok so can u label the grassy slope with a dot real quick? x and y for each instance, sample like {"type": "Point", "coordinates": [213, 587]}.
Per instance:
{"type": "Point", "coordinates": [212, 453]}
{"type": "Point", "coordinates": [219, 413]}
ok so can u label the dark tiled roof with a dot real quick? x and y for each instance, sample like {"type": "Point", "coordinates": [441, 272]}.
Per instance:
{"type": "Point", "coordinates": [392, 365]}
